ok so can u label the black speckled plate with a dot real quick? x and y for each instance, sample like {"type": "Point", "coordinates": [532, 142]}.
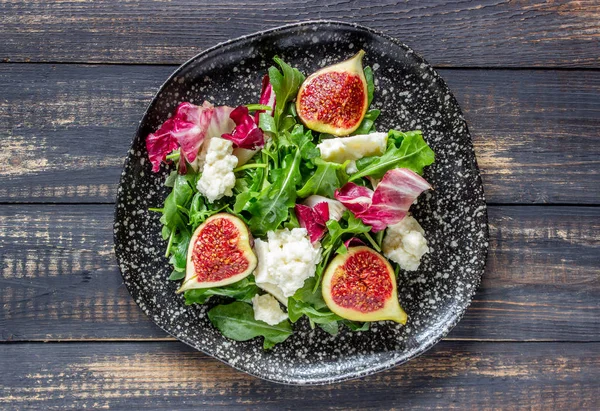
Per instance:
{"type": "Point", "coordinates": [411, 95]}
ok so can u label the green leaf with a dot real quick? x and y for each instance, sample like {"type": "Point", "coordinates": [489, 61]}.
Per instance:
{"type": "Point", "coordinates": [181, 196]}
{"type": "Point", "coordinates": [370, 83]}
{"type": "Point", "coordinates": [412, 153]}
{"type": "Point", "coordinates": [356, 326]}
{"type": "Point", "coordinates": [332, 327]}
{"type": "Point", "coordinates": [236, 321]}
{"type": "Point", "coordinates": [170, 181]}
{"type": "Point", "coordinates": [326, 179]}
{"type": "Point", "coordinates": [310, 293]}
{"type": "Point", "coordinates": [178, 250]}
{"type": "Point", "coordinates": [177, 275]}
{"type": "Point", "coordinates": [267, 123]}
{"type": "Point", "coordinates": [308, 301]}
{"type": "Point", "coordinates": [286, 84]}
{"type": "Point", "coordinates": [200, 209]}
{"type": "Point", "coordinates": [242, 290]}
{"type": "Point", "coordinates": [272, 206]}
{"type": "Point", "coordinates": [296, 309]}
{"type": "Point", "coordinates": [366, 125]}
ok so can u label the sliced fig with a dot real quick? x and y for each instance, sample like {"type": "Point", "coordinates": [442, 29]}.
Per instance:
{"type": "Point", "coordinates": [334, 99]}
{"type": "Point", "coordinates": [220, 253]}
{"type": "Point", "coordinates": [361, 286]}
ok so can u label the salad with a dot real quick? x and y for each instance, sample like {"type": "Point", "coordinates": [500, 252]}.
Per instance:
{"type": "Point", "coordinates": [291, 207]}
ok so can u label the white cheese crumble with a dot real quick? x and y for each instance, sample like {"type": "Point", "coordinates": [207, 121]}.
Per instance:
{"type": "Point", "coordinates": [217, 178]}
{"type": "Point", "coordinates": [267, 309]}
{"type": "Point", "coordinates": [285, 261]}
{"type": "Point", "coordinates": [340, 149]}
{"type": "Point", "coordinates": [405, 244]}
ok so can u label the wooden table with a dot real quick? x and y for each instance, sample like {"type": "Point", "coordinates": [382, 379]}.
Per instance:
{"type": "Point", "coordinates": [75, 79]}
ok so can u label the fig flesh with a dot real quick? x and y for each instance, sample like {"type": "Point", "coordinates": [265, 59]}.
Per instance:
{"type": "Point", "coordinates": [361, 286]}
{"type": "Point", "coordinates": [220, 253]}
{"type": "Point", "coordinates": [334, 99]}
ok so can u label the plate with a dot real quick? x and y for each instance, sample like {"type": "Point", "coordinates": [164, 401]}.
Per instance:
{"type": "Point", "coordinates": [411, 95]}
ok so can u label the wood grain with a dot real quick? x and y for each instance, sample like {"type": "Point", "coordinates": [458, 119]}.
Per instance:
{"type": "Point", "coordinates": [60, 280]}
{"type": "Point", "coordinates": [483, 33]}
{"type": "Point", "coordinates": [168, 375]}
{"type": "Point", "coordinates": [66, 129]}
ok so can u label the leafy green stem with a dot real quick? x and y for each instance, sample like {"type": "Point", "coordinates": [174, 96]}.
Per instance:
{"type": "Point", "coordinates": [169, 243]}
{"type": "Point", "coordinates": [174, 155]}
{"type": "Point", "coordinates": [249, 166]}
{"type": "Point", "coordinates": [256, 107]}
{"type": "Point", "coordinates": [373, 242]}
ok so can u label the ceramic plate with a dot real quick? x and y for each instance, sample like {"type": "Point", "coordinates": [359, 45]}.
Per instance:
{"type": "Point", "coordinates": [410, 95]}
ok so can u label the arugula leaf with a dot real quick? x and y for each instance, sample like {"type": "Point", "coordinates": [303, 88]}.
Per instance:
{"type": "Point", "coordinates": [286, 84]}
{"type": "Point", "coordinates": [308, 301]}
{"type": "Point", "coordinates": [200, 209]}
{"type": "Point", "coordinates": [326, 179]}
{"type": "Point", "coordinates": [412, 153]}
{"type": "Point", "coordinates": [272, 206]}
{"type": "Point", "coordinates": [370, 83]}
{"type": "Point", "coordinates": [242, 290]}
{"type": "Point", "coordinates": [178, 250]}
{"type": "Point", "coordinates": [267, 123]}
{"type": "Point", "coordinates": [177, 275]}
{"type": "Point", "coordinates": [331, 327]}
{"type": "Point", "coordinates": [366, 125]}
{"type": "Point", "coordinates": [356, 326]}
{"type": "Point", "coordinates": [180, 196]}
{"type": "Point", "coordinates": [236, 321]}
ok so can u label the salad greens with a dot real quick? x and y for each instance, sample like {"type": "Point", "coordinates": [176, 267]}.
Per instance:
{"type": "Point", "coordinates": [236, 321]}
{"type": "Point", "coordinates": [286, 168]}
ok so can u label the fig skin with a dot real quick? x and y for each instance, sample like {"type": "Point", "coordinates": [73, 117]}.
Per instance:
{"type": "Point", "coordinates": [242, 244]}
{"type": "Point", "coordinates": [326, 106]}
{"type": "Point", "coordinates": [390, 309]}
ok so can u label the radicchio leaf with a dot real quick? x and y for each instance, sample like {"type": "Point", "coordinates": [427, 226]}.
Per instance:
{"type": "Point", "coordinates": [246, 133]}
{"type": "Point", "coordinates": [336, 209]}
{"type": "Point", "coordinates": [161, 143]}
{"type": "Point", "coordinates": [313, 219]}
{"type": "Point", "coordinates": [187, 129]}
{"type": "Point", "coordinates": [354, 242]}
{"type": "Point", "coordinates": [354, 197]}
{"type": "Point", "coordinates": [267, 98]}
{"type": "Point", "coordinates": [390, 201]}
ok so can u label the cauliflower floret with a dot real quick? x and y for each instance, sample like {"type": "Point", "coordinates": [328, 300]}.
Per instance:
{"type": "Point", "coordinates": [340, 149]}
{"type": "Point", "coordinates": [217, 178]}
{"type": "Point", "coordinates": [405, 244]}
{"type": "Point", "coordinates": [267, 309]}
{"type": "Point", "coordinates": [285, 261]}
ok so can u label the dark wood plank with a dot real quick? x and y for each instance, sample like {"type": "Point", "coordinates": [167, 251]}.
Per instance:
{"type": "Point", "coordinates": [169, 375]}
{"type": "Point", "coordinates": [66, 129]}
{"type": "Point", "coordinates": [59, 279]}
{"type": "Point", "coordinates": [482, 33]}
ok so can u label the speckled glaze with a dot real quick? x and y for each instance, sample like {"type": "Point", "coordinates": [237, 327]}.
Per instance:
{"type": "Point", "coordinates": [410, 95]}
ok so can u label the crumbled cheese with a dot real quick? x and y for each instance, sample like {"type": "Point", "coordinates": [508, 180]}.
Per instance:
{"type": "Point", "coordinates": [285, 261]}
{"type": "Point", "coordinates": [217, 178]}
{"type": "Point", "coordinates": [267, 309]}
{"type": "Point", "coordinates": [351, 167]}
{"type": "Point", "coordinates": [405, 244]}
{"type": "Point", "coordinates": [340, 149]}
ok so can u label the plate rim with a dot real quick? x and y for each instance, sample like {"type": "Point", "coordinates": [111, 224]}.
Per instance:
{"type": "Point", "coordinates": [376, 368]}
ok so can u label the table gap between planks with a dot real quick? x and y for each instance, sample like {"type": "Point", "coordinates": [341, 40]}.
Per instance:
{"type": "Point", "coordinates": [76, 77]}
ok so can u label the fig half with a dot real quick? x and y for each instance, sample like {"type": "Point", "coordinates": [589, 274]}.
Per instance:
{"type": "Point", "coordinates": [220, 253]}
{"type": "Point", "coordinates": [361, 286]}
{"type": "Point", "coordinates": [334, 99]}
